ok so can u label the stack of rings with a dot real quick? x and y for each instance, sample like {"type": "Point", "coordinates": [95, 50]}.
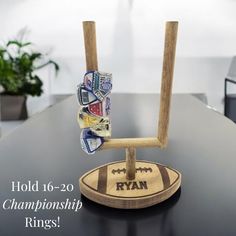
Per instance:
{"type": "Point", "coordinates": [93, 116]}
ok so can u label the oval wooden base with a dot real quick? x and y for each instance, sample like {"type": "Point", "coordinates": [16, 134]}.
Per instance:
{"type": "Point", "coordinates": [107, 185]}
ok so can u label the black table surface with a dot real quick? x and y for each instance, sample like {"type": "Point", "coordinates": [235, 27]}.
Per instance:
{"type": "Point", "coordinates": [202, 146]}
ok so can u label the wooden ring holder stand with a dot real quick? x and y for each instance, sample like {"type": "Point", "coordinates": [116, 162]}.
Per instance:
{"type": "Point", "coordinates": [134, 184]}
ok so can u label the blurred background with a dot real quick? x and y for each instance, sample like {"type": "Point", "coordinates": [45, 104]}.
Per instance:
{"type": "Point", "coordinates": [130, 39]}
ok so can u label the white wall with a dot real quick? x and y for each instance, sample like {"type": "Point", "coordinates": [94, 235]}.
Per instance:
{"type": "Point", "coordinates": [130, 36]}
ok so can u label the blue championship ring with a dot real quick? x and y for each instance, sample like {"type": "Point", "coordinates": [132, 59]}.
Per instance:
{"type": "Point", "coordinates": [85, 96]}
{"type": "Point", "coordinates": [100, 83]}
{"type": "Point", "coordinates": [90, 142]}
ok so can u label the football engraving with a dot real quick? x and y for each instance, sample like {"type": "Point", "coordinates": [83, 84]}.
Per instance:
{"type": "Point", "coordinates": [153, 182]}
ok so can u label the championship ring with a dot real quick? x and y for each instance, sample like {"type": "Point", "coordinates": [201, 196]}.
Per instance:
{"type": "Point", "coordinates": [90, 142]}
{"type": "Point", "coordinates": [85, 119]}
{"type": "Point", "coordinates": [100, 108]}
{"type": "Point", "coordinates": [103, 128]}
{"type": "Point", "coordinates": [85, 96]}
{"type": "Point", "coordinates": [100, 83]}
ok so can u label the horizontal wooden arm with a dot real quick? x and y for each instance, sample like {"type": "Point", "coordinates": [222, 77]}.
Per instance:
{"type": "Point", "coordinates": [132, 142]}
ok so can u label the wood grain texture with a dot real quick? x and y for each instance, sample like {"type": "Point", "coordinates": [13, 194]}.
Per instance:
{"type": "Point", "coordinates": [153, 184]}
{"type": "Point", "coordinates": [167, 79]}
{"type": "Point", "coordinates": [102, 179]}
{"type": "Point", "coordinates": [131, 142]}
{"type": "Point", "coordinates": [130, 163]}
{"type": "Point", "coordinates": [90, 44]}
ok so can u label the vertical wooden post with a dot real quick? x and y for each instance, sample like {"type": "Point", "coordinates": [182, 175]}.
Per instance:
{"type": "Point", "coordinates": [130, 163]}
{"type": "Point", "coordinates": [90, 45]}
{"type": "Point", "coordinates": [167, 78]}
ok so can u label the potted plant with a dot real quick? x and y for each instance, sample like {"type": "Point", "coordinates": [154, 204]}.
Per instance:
{"type": "Point", "coordinates": [18, 79]}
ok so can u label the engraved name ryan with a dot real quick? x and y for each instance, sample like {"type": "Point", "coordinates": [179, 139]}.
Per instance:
{"type": "Point", "coordinates": [131, 185]}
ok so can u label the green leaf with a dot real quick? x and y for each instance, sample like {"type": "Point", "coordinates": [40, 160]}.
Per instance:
{"type": "Point", "coordinates": [33, 86]}
{"type": "Point", "coordinates": [14, 42]}
{"type": "Point", "coordinates": [18, 43]}
{"type": "Point", "coordinates": [56, 66]}
{"type": "Point", "coordinates": [17, 71]}
{"type": "Point", "coordinates": [2, 50]}
{"type": "Point", "coordinates": [26, 44]}
{"type": "Point", "coordinates": [34, 56]}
